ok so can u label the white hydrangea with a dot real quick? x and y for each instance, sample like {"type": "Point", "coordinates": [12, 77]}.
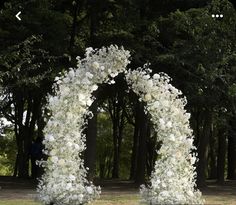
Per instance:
{"type": "Point", "coordinates": [64, 181]}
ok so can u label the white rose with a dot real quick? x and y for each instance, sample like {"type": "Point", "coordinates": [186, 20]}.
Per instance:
{"type": "Point", "coordinates": [114, 74]}
{"type": "Point", "coordinates": [94, 87]}
{"type": "Point", "coordinates": [165, 103]}
{"type": "Point", "coordinates": [149, 83]}
{"type": "Point", "coordinates": [76, 146]}
{"type": "Point", "coordinates": [169, 124]}
{"type": "Point", "coordinates": [95, 65]}
{"type": "Point", "coordinates": [53, 152]}
{"type": "Point", "coordinates": [161, 121]}
{"type": "Point", "coordinates": [156, 76]}
{"type": "Point", "coordinates": [89, 75]}
{"type": "Point", "coordinates": [61, 162]}
{"type": "Point", "coordinates": [80, 197]}
{"type": "Point", "coordinates": [89, 102]}
{"type": "Point", "coordinates": [68, 186]}
{"type": "Point", "coordinates": [81, 97]}
{"type": "Point", "coordinates": [69, 144]}
{"type": "Point", "coordinates": [147, 97]}
{"type": "Point", "coordinates": [66, 80]}
{"type": "Point", "coordinates": [71, 73]}
{"type": "Point", "coordinates": [172, 137]}
{"type": "Point", "coordinates": [50, 138]}
{"type": "Point", "coordinates": [112, 82]}
{"type": "Point", "coordinates": [54, 159]}
{"type": "Point", "coordinates": [89, 190]}
{"type": "Point", "coordinates": [146, 77]}
{"type": "Point", "coordinates": [169, 173]}
{"type": "Point", "coordinates": [72, 177]}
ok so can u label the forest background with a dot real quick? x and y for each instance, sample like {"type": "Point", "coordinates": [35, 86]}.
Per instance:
{"type": "Point", "coordinates": [178, 37]}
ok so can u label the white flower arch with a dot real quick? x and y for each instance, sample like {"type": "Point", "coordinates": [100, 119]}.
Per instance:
{"type": "Point", "coordinates": [64, 181]}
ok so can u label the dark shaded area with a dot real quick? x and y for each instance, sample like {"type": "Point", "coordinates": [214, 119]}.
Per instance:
{"type": "Point", "coordinates": [178, 37]}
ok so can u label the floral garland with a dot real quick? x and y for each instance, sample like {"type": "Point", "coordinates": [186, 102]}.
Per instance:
{"type": "Point", "coordinates": [173, 179]}
{"type": "Point", "coordinates": [64, 181]}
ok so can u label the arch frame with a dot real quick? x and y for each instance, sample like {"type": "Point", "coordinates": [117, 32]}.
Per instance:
{"type": "Point", "coordinates": [173, 180]}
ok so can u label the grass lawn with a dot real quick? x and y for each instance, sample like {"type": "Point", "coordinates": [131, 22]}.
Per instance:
{"type": "Point", "coordinates": [129, 199]}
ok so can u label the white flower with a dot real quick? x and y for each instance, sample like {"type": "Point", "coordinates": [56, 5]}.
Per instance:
{"type": "Point", "coordinates": [54, 159]}
{"type": "Point", "coordinates": [66, 80]}
{"type": "Point", "coordinates": [89, 189]}
{"type": "Point", "coordinates": [89, 75]}
{"type": "Point", "coordinates": [53, 152]}
{"type": "Point", "coordinates": [80, 197]}
{"type": "Point", "coordinates": [69, 144]}
{"type": "Point", "coordinates": [165, 103]}
{"type": "Point", "coordinates": [77, 147]}
{"type": "Point", "coordinates": [57, 78]}
{"type": "Point", "coordinates": [50, 138]}
{"type": "Point", "coordinates": [193, 159]}
{"type": "Point", "coordinates": [178, 154]}
{"type": "Point", "coordinates": [89, 50]}
{"type": "Point", "coordinates": [94, 87]}
{"type": "Point", "coordinates": [112, 82]}
{"type": "Point", "coordinates": [169, 124]}
{"type": "Point", "coordinates": [114, 74]}
{"type": "Point", "coordinates": [146, 77]}
{"type": "Point", "coordinates": [72, 177]}
{"type": "Point", "coordinates": [172, 137]}
{"type": "Point", "coordinates": [147, 97]}
{"type": "Point", "coordinates": [81, 96]}
{"type": "Point", "coordinates": [89, 102]}
{"type": "Point", "coordinates": [169, 173]}
{"type": "Point", "coordinates": [95, 65]}
{"type": "Point", "coordinates": [156, 76]}
{"type": "Point", "coordinates": [71, 73]}
{"type": "Point", "coordinates": [68, 186]}
{"type": "Point", "coordinates": [61, 162]}
{"type": "Point", "coordinates": [161, 121]}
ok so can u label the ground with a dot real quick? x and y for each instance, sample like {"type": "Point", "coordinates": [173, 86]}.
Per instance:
{"type": "Point", "coordinates": [22, 192]}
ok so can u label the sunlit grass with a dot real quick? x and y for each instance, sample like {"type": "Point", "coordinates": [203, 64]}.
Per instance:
{"type": "Point", "coordinates": [18, 202]}
{"type": "Point", "coordinates": [129, 199]}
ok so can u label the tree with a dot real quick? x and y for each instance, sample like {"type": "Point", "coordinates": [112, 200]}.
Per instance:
{"type": "Point", "coordinates": [193, 52]}
{"type": "Point", "coordinates": [26, 78]}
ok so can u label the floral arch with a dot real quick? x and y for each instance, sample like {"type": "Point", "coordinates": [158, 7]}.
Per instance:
{"type": "Point", "coordinates": [64, 181]}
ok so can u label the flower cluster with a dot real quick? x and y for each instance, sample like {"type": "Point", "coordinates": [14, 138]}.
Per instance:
{"type": "Point", "coordinates": [64, 182]}
{"type": "Point", "coordinates": [173, 179]}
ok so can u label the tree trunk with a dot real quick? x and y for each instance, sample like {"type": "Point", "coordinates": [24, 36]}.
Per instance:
{"type": "Point", "coordinates": [142, 149]}
{"type": "Point", "coordinates": [202, 149]}
{"type": "Point", "coordinates": [212, 157]}
{"type": "Point", "coordinates": [232, 150]}
{"type": "Point", "coordinates": [221, 156]}
{"type": "Point", "coordinates": [90, 152]}
{"type": "Point", "coordinates": [24, 132]}
{"type": "Point", "coordinates": [134, 155]}
{"type": "Point", "coordinates": [22, 159]}
{"type": "Point", "coordinates": [151, 151]}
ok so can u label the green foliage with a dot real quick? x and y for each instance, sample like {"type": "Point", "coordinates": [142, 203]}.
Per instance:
{"type": "Point", "coordinates": [7, 152]}
{"type": "Point", "coordinates": [105, 148]}
{"type": "Point", "coordinates": [196, 45]}
{"type": "Point", "coordinates": [38, 18]}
